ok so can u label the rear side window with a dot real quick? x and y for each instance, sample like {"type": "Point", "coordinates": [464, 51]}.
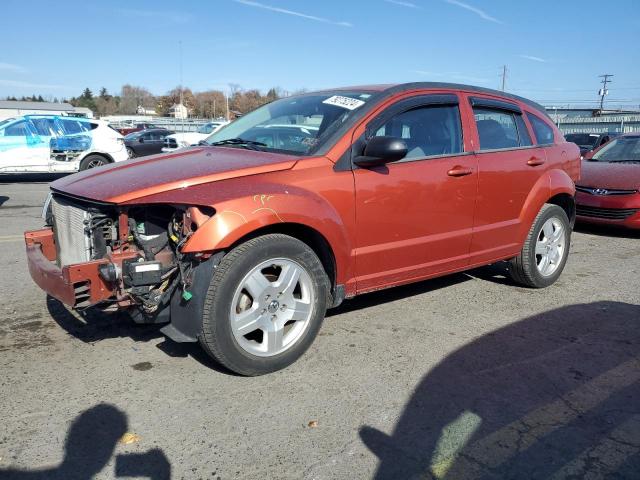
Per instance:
{"type": "Point", "coordinates": [496, 128]}
{"type": "Point", "coordinates": [427, 131]}
{"type": "Point", "coordinates": [543, 132]}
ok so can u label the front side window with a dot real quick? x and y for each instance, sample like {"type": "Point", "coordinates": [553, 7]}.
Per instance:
{"type": "Point", "coordinates": [543, 132]}
{"type": "Point", "coordinates": [621, 149]}
{"type": "Point", "coordinates": [496, 129]}
{"type": "Point", "coordinates": [317, 115]}
{"type": "Point", "coordinates": [18, 129]}
{"type": "Point", "coordinates": [427, 130]}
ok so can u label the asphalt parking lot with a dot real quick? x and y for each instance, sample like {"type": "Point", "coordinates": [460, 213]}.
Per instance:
{"type": "Point", "coordinates": [462, 377]}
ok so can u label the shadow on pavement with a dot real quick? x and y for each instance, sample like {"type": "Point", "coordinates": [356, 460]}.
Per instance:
{"type": "Point", "coordinates": [93, 325]}
{"type": "Point", "coordinates": [89, 446]}
{"type": "Point", "coordinates": [3, 198]}
{"type": "Point", "coordinates": [607, 231]}
{"type": "Point", "coordinates": [551, 396]}
{"type": "Point", "coordinates": [396, 293]}
{"type": "Point", "coordinates": [31, 178]}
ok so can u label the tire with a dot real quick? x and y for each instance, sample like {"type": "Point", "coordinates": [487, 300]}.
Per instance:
{"type": "Point", "coordinates": [548, 237]}
{"type": "Point", "coordinates": [244, 294]}
{"type": "Point", "coordinates": [131, 152]}
{"type": "Point", "coordinates": [92, 161]}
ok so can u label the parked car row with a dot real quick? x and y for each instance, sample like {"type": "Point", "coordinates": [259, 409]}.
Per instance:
{"type": "Point", "coordinates": [589, 141]}
{"type": "Point", "coordinates": [146, 142]}
{"type": "Point", "coordinates": [187, 139]}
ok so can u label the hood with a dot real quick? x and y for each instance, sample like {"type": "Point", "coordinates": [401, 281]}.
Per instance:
{"type": "Point", "coordinates": [190, 137]}
{"type": "Point", "coordinates": [623, 176]}
{"type": "Point", "coordinates": [135, 178]}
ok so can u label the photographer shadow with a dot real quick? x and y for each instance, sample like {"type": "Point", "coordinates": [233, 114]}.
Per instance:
{"type": "Point", "coordinates": [554, 395]}
{"type": "Point", "coordinates": [89, 446]}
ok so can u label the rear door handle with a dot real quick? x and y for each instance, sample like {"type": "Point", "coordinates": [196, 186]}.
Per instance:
{"type": "Point", "coordinates": [459, 171]}
{"type": "Point", "coordinates": [535, 161]}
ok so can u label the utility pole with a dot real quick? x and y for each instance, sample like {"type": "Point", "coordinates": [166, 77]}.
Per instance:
{"type": "Point", "coordinates": [504, 76]}
{"type": "Point", "coordinates": [181, 94]}
{"type": "Point", "coordinates": [603, 91]}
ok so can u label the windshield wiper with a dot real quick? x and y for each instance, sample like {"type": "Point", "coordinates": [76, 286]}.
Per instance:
{"type": "Point", "coordinates": [241, 142]}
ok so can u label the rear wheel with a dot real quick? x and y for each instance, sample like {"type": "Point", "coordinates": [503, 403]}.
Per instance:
{"type": "Point", "coordinates": [265, 305]}
{"type": "Point", "coordinates": [92, 161]}
{"type": "Point", "coordinates": [545, 250]}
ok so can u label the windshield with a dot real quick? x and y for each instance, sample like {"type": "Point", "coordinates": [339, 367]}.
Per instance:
{"type": "Point", "coordinates": [5, 121]}
{"type": "Point", "coordinates": [622, 149]}
{"type": "Point", "coordinates": [583, 139]}
{"type": "Point", "coordinates": [293, 125]}
{"type": "Point", "coordinates": [133, 135]}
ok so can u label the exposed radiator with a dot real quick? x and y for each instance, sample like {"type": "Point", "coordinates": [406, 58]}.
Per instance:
{"type": "Point", "coordinates": [69, 222]}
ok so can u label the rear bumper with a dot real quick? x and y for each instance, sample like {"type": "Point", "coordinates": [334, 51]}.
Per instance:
{"type": "Point", "coordinates": [78, 285]}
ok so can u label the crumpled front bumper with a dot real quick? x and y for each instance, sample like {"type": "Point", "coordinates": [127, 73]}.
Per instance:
{"type": "Point", "coordinates": [78, 285]}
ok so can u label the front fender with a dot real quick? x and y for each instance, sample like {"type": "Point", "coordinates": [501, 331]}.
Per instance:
{"type": "Point", "coordinates": [238, 217]}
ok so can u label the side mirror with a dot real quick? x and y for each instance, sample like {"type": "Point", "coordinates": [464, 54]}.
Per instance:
{"type": "Point", "coordinates": [141, 140]}
{"type": "Point", "coordinates": [381, 150]}
{"type": "Point", "coordinates": [588, 155]}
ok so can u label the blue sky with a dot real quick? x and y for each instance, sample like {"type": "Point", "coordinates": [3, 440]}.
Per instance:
{"type": "Point", "coordinates": [554, 49]}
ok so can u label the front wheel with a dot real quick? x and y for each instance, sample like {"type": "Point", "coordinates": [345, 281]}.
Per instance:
{"type": "Point", "coordinates": [545, 250]}
{"type": "Point", "coordinates": [265, 305]}
{"type": "Point", "coordinates": [92, 161]}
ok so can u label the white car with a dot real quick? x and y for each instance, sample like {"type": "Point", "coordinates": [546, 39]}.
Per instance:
{"type": "Point", "coordinates": [54, 143]}
{"type": "Point", "coordinates": [186, 139]}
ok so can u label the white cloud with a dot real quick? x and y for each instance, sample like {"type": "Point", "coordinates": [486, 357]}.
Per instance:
{"type": "Point", "coordinates": [176, 17]}
{"type": "Point", "coordinates": [531, 57]}
{"type": "Point", "coordinates": [10, 67]}
{"type": "Point", "coordinates": [477, 11]}
{"type": "Point", "coordinates": [402, 4]}
{"type": "Point", "coordinates": [251, 3]}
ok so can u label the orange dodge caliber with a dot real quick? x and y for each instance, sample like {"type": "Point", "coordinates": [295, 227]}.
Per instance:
{"type": "Point", "coordinates": [242, 242]}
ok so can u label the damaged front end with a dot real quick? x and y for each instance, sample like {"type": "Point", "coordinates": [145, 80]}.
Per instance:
{"type": "Point", "coordinates": [123, 257]}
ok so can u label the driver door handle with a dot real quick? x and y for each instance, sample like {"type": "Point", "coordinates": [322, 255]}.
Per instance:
{"type": "Point", "coordinates": [535, 161]}
{"type": "Point", "coordinates": [459, 171]}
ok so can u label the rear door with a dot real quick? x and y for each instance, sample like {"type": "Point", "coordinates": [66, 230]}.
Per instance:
{"type": "Point", "coordinates": [509, 165]}
{"type": "Point", "coordinates": [414, 217]}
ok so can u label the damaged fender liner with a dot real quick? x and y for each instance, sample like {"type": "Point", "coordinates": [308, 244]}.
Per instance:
{"type": "Point", "coordinates": [186, 316]}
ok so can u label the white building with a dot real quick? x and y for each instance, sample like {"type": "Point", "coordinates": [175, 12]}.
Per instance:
{"type": "Point", "coordinates": [17, 108]}
{"type": "Point", "coordinates": [178, 110]}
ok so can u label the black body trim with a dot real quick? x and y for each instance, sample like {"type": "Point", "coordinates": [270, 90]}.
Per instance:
{"type": "Point", "coordinates": [495, 104]}
{"type": "Point", "coordinates": [186, 317]}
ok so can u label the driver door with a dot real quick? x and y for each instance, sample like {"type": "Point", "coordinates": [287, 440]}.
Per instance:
{"type": "Point", "coordinates": [415, 216]}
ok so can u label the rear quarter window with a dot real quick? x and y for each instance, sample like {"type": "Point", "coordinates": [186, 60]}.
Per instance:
{"type": "Point", "coordinates": [541, 129]}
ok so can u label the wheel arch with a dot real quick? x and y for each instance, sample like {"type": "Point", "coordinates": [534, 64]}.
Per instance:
{"type": "Point", "coordinates": [306, 234]}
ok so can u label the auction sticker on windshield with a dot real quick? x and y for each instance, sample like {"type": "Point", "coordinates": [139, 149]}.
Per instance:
{"type": "Point", "coordinates": [344, 102]}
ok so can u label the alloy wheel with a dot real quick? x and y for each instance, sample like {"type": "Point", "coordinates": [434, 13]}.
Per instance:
{"type": "Point", "coordinates": [272, 307]}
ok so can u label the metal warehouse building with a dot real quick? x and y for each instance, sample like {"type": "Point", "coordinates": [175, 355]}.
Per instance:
{"type": "Point", "coordinates": [13, 108]}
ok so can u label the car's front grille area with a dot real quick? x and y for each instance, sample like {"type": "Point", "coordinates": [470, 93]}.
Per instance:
{"type": "Point", "coordinates": [607, 213]}
{"type": "Point", "coordinates": [170, 143]}
{"type": "Point", "coordinates": [604, 191]}
{"type": "Point", "coordinates": [69, 225]}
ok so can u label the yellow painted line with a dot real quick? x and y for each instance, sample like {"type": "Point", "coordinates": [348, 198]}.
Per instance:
{"type": "Point", "coordinates": [11, 238]}
{"type": "Point", "coordinates": [498, 447]}
{"type": "Point", "coordinates": [610, 453]}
